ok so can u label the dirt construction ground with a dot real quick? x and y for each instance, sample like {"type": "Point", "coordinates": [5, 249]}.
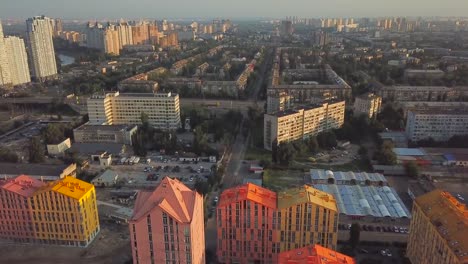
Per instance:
{"type": "Point", "coordinates": [111, 246]}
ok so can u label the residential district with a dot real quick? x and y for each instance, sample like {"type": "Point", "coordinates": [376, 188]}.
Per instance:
{"type": "Point", "coordinates": [295, 140]}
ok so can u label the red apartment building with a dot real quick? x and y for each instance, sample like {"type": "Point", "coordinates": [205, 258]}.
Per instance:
{"type": "Point", "coordinates": [167, 225]}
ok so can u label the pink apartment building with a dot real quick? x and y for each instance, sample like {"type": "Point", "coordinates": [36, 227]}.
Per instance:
{"type": "Point", "coordinates": [167, 225]}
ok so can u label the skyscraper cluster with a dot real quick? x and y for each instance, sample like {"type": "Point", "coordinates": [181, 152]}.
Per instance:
{"type": "Point", "coordinates": [13, 61]}
{"type": "Point", "coordinates": [111, 38]}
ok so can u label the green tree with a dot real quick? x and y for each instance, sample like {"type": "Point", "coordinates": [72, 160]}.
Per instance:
{"type": "Point", "coordinates": [354, 235]}
{"type": "Point", "coordinates": [312, 144]}
{"type": "Point", "coordinates": [412, 169]}
{"type": "Point", "coordinates": [54, 133]}
{"type": "Point", "coordinates": [144, 120]}
{"type": "Point", "coordinates": [202, 187]}
{"type": "Point", "coordinates": [385, 154]}
{"type": "Point", "coordinates": [6, 155]}
{"type": "Point", "coordinates": [286, 153]}
{"type": "Point", "coordinates": [36, 150]}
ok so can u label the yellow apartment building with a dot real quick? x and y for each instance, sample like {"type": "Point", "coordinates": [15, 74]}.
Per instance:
{"type": "Point", "coordinates": [291, 125]}
{"type": "Point", "coordinates": [63, 212]}
{"type": "Point", "coordinates": [438, 230]}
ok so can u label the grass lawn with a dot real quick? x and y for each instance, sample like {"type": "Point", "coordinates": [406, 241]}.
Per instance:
{"type": "Point", "coordinates": [253, 153]}
{"type": "Point", "coordinates": [278, 180]}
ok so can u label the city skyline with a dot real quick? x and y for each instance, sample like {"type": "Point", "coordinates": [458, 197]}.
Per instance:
{"type": "Point", "coordinates": [205, 8]}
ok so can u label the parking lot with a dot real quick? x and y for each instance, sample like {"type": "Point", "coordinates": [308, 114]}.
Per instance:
{"type": "Point", "coordinates": [150, 174]}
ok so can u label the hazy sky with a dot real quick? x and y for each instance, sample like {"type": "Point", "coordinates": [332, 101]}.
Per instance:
{"type": "Point", "coordinates": [101, 9]}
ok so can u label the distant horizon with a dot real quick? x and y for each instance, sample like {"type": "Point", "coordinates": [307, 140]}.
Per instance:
{"type": "Point", "coordinates": [236, 10]}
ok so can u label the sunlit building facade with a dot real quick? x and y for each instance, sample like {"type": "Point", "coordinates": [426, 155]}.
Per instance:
{"type": "Point", "coordinates": [63, 212]}
{"type": "Point", "coordinates": [255, 224]}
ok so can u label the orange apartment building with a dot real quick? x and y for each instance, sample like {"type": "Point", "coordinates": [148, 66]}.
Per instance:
{"type": "Point", "coordinates": [315, 254]}
{"type": "Point", "coordinates": [254, 224]}
{"type": "Point", "coordinates": [167, 225]}
{"type": "Point", "coordinates": [63, 212]}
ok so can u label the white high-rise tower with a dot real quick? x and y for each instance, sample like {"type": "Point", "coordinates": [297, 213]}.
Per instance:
{"type": "Point", "coordinates": [5, 76]}
{"type": "Point", "coordinates": [41, 47]}
{"type": "Point", "coordinates": [17, 60]}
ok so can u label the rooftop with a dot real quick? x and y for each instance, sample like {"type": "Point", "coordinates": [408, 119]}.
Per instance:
{"type": "Point", "coordinates": [366, 200]}
{"type": "Point", "coordinates": [449, 217]}
{"type": "Point", "coordinates": [22, 185]}
{"type": "Point", "coordinates": [172, 197]}
{"type": "Point", "coordinates": [306, 194]}
{"type": "Point", "coordinates": [32, 169]}
{"type": "Point", "coordinates": [439, 111]}
{"type": "Point", "coordinates": [409, 152]}
{"type": "Point", "coordinates": [314, 255]}
{"type": "Point", "coordinates": [317, 174]}
{"type": "Point", "coordinates": [89, 127]}
{"type": "Point", "coordinates": [250, 192]}
{"type": "Point", "coordinates": [71, 187]}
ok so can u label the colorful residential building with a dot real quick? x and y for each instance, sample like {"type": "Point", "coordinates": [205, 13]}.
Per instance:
{"type": "Point", "coordinates": [167, 225]}
{"type": "Point", "coordinates": [438, 230]}
{"type": "Point", "coordinates": [315, 254]}
{"type": "Point", "coordinates": [63, 212]}
{"type": "Point", "coordinates": [255, 224]}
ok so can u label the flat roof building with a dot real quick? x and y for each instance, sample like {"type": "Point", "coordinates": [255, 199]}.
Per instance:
{"type": "Point", "coordinates": [368, 104]}
{"type": "Point", "coordinates": [439, 230]}
{"type": "Point", "coordinates": [318, 176]}
{"type": "Point", "coordinates": [298, 124]}
{"type": "Point", "coordinates": [120, 134]}
{"type": "Point", "coordinates": [314, 254]}
{"type": "Point", "coordinates": [46, 172]}
{"type": "Point", "coordinates": [438, 124]}
{"type": "Point", "coordinates": [163, 109]}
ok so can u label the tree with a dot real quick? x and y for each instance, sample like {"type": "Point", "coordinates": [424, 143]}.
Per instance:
{"type": "Point", "coordinates": [274, 151]}
{"type": "Point", "coordinates": [412, 169]}
{"type": "Point", "coordinates": [36, 150]}
{"type": "Point", "coordinates": [354, 234]}
{"type": "Point", "coordinates": [385, 154]}
{"type": "Point", "coordinates": [7, 155]}
{"type": "Point", "coordinates": [312, 144]}
{"type": "Point", "coordinates": [286, 153]}
{"type": "Point", "coordinates": [144, 119]}
{"type": "Point", "coordinates": [54, 134]}
{"type": "Point", "coordinates": [202, 187]}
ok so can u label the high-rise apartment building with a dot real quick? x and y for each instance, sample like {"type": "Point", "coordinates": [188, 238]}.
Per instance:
{"type": "Point", "coordinates": [140, 33]}
{"type": "Point", "coordinates": [277, 102]}
{"type": "Point", "coordinates": [163, 109]}
{"type": "Point", "coordinates": [125, 34]}
{"type": "Point", "coordinates": [368, 104]}
{"type": "Point", "coordinates": [63, 212]}
{"type": "Point", "coordinates": [17, 60]}
{"type": "Point", "coordinates": [254, 224]}
{"type": "Point", "coordinates": [112, 44]}
{"type": "Point", "coordinates": [41, 47]}
{"type": "Point", "coordinates": [438, 230]}
{"type": "Point", "coordinates": [5, 77]}
{"type": "Point", "coordinates": [167, 225]}
{"type": "Point", "coordinates": [95, 36]}
{"type": "Point", "coordinates": [314, 254]}
{"type": "Point", "coordinates": [291, 125]}
{"type": "Point", "coordinates": [106, 39]}
{"type": "Point", "coordinates": [437, 123]}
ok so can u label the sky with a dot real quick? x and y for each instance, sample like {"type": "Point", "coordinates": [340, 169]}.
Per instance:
{"type": "Point", "coordinates": [158, 9]}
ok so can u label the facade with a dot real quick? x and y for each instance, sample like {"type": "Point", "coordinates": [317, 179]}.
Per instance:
{"type": "Point", "coordinates": [17, 60]}
{"type": "Point", "coordinates": [112, 44]}
{"type": "Point", "coordinates": [255, 224]}
{"type": "Point", "coordinates": [441, 221]}
{"type": "Point", "coordinates": [278, 102]}
{"type": "Point", "coordinates": [126, 108]}
{"type": "Point", "coordinates": [121, 134]}
{"type": "Point", "coordinates": [167, 225]}
{"type": "Point", "coordinates": [420, 93]}
{"type": "Point", "coordinates": [60, 148]}
{"type": "Point", "coordinates": [314, 254]}
{"type": "Point", "coordinates": [368, 104]}
{"type": "Point", "coordinates": [125, 34]}
{"type": "Point", "coordinates": [41, 47]}
{"type": "Point", "coordinates": [439, 124]}
{"type": "Point", "coordinates": [291, 125]}
{"type": "Point", "coordinates": [428, 74]}
{"type": "Point", "coordinates": [63, 212]}
{"type": "Point", "coordinates": [5, 77]}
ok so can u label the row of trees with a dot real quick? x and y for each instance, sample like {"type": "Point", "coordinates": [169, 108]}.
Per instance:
{"type": "Point", "coordinates": [285, 152]}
